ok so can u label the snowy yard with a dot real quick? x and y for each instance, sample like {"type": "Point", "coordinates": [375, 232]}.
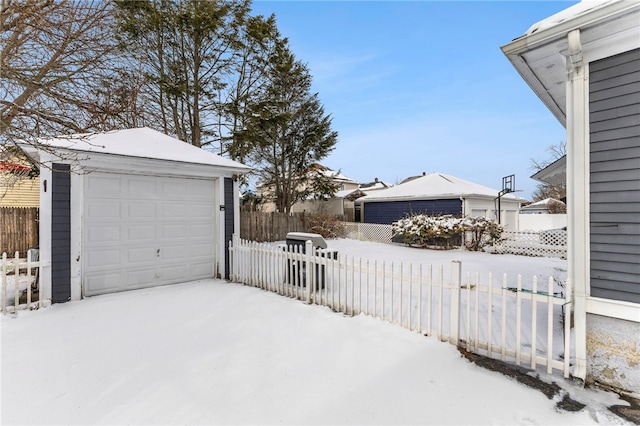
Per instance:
{"type": "Point", "coordinates": [212, 352]}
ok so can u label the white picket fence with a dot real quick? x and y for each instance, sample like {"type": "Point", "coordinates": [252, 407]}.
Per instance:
{"type": "Point", "coordinates": [18, 277]}
{"type": "Point", "coordinates": [506, 319]}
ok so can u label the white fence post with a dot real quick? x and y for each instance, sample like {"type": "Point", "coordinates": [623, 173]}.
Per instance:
{"type": "Point", "coordinates": [454, 308]}
{"type": "Point", "coordinates": [309, 268]}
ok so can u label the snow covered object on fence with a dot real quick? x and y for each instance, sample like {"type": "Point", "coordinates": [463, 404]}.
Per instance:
{"type": "Point", "coordinates": [447, 231]}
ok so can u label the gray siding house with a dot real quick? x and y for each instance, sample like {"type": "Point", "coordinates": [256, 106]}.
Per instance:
{"type": "Point", "coordinates": [584, 64]}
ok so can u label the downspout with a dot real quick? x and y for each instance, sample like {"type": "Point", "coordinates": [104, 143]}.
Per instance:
{"type": "Point", "coordinates": [578, 252]}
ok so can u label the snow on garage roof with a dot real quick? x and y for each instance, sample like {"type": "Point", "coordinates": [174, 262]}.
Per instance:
{"type": "Point", "coordinates": [436, 185]}
{"type": "Point", "coordinates": [141, 142]}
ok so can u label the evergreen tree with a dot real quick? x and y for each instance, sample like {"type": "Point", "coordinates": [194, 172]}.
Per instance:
{"type": "Point", "coordinates": [286, 133]}
{"type": "Point", "coordinates": [187, 48]}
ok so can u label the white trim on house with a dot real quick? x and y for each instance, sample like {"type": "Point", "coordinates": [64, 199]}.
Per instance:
{"type": "Point", "coordinates": [613, 308]}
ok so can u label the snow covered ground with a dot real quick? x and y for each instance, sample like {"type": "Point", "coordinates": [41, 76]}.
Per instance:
{"type": "Point", "coordinates": [212, 352]}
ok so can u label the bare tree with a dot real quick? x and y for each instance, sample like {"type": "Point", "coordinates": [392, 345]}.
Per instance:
{"type": "Point", "coordinates": [53, 55]}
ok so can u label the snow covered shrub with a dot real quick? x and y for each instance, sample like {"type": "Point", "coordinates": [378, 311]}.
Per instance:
{"type": "Point", "coordinates": [326, 225]}
{"type": "Point", "coordinates": [446, 231]}
{"type": "Point", "coordinates": [428, 231]}
{"type": "Point", "coordinates": [480, 232]}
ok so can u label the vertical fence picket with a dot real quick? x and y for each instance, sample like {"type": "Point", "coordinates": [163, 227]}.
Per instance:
{"type": "Point", "coordinates": [430, 300]}
{"type": "Point", "coordinates": [375, 288]}
{"type": "Point", "coordinates": [391, 295]}
{"type": "Point", "coordinates": [468, 328]}
{"type": "Point", "coordinates": [410, 308]}
{"type": "Point", "coordinates": [16, 286]}
{"type": "Point", "coordinates": [476, 319]}
{"type": "Point", "coordinates": [440, 302]}
{"type": "Point", "coordinates": [550, 306]}
{"type": "Point", "coordinates": [489, 319]}
{"type": "Point", "coordinates": [353, 283]}
{"type": "Point", "coordinates": [503, 340]}
{"type": "Point", "coordinates": [567, 327]}
{"type": "Point", "coordinates": [384, 276]}
{"type": "Point", "coordinates": [3, 277]}
{"type": "Point", "coordinates": [519, 320]}
{"type": "Point", "coordinates": [454, 308]}
{"type": "Point", "coordinates": [534, 324]}
{"type": "Point", "coordinates": [420, 298]}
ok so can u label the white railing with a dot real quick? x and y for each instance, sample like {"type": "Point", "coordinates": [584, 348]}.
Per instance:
{"type": "Point", "coordinates": [506, 319]}
{"type": "Point", "coordinates": [19, 282]}
{"type": "Point", "coordinates": [369, 232]}
{"type": "Point", "coordinates": [551, 243]}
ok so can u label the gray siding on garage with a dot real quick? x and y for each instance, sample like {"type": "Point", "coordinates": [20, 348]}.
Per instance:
{"type": "Point", "coordinates": [614, 105]}
{"type": "Point", "coordinates": [387, 212]}
{"type": "Point", "coordinates": [60, 233]}
{"type": "Point", "coordinates": [228, 223]}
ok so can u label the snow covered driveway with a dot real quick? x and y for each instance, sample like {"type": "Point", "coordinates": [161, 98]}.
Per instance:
{"type": "Point", "coordinates": [212, 352]}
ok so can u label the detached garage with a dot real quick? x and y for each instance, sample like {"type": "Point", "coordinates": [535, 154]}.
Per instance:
{"type": "Point", "coordinates": [132, 209]}
{"type": "Point", "coordinates": [439, 194]}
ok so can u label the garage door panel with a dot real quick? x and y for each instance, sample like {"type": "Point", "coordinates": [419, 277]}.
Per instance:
{"type": "Point", "coordinates": [141, 215]}
{"type": "Point", "coordinates": [140, 278]}
{"type": "Point", "coordinates": [200, 250]}
{"type": "Point", "coordinates": [101, 259]}
{"type": "Point", "coordinates": [103, 209]}
{"type": "Point", "coordinates": [201, 270]}
{"type": "Point", "coordinates": [107, 186]}
{"type": "Point", "coordinates": [172, 231]}
{"type": "Point", "coordinates": [141, 187]}
{"type": "Point", "coordinates": [200, 189]}
{"type": "Point", "coordinates": [105, 234]}
{"type": "Point", "coordinates": [201, 231]}
{"type": "Point", "coordinates": [174, 273]}
{"type": "Point", "coordinates": [174, 190]}
{"type": "Point", "coordinates": [142, 210]}
{"type": "Point", "coordinates": [175, 253]}
{"type": "Point", "coordinates": [101, 283]}
{"type": "Point", "coordinates": [142, 232]}
{"type": "Point", "coordinates": [201, 211]}
{"type": "Point", "coordinates": [141, 254]}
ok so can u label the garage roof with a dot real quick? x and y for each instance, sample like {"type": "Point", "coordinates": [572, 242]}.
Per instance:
{"type": "Point", "coordinates": [143, 143]}
{"type": "Point", "coordinates": [434, 186]}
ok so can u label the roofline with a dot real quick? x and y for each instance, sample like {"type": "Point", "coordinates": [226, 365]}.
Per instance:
{"type": "Point", "coordinates": [442, 197]}
{"type": "Point", "coordinates": [557, 166]}
{"type": "Point", "coordinates": [527, 42]}
{"type": "Point", "coordinates": [34, 153]}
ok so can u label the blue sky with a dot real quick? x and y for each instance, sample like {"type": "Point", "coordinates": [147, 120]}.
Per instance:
{"type": "Point", "coordinates": [422, 86]}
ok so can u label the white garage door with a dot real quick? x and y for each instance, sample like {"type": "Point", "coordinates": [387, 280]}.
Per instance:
{"type": "Point", "coordinates": [144, 231]}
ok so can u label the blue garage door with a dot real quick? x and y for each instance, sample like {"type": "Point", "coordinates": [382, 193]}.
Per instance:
{"type": "Point", "coordinates": [387, 212]}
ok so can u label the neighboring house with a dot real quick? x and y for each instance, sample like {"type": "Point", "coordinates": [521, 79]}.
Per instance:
{"type": "Point", "coordinates": [584, 64]}
{"type": "Point", "coordinates": [336, 205]}
{"type": "Point", "coordinates": [18, 190]}
{"type": "Point", "coordinates": [546, 206]}
{"type": "Point", "coordinates": [436, 194]}
{"type": "Point", "coordinates": [131, 209]}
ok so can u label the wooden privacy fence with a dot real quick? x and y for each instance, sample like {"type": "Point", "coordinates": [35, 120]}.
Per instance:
{"type": "Point", "coordinates": [19, 282]}
{"type": "Point", "coordinates": [18, 229]}
{"type": "Point", "coordinates": [259, 226]}
{"type": "Point", "coordinates": [524, 324]}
